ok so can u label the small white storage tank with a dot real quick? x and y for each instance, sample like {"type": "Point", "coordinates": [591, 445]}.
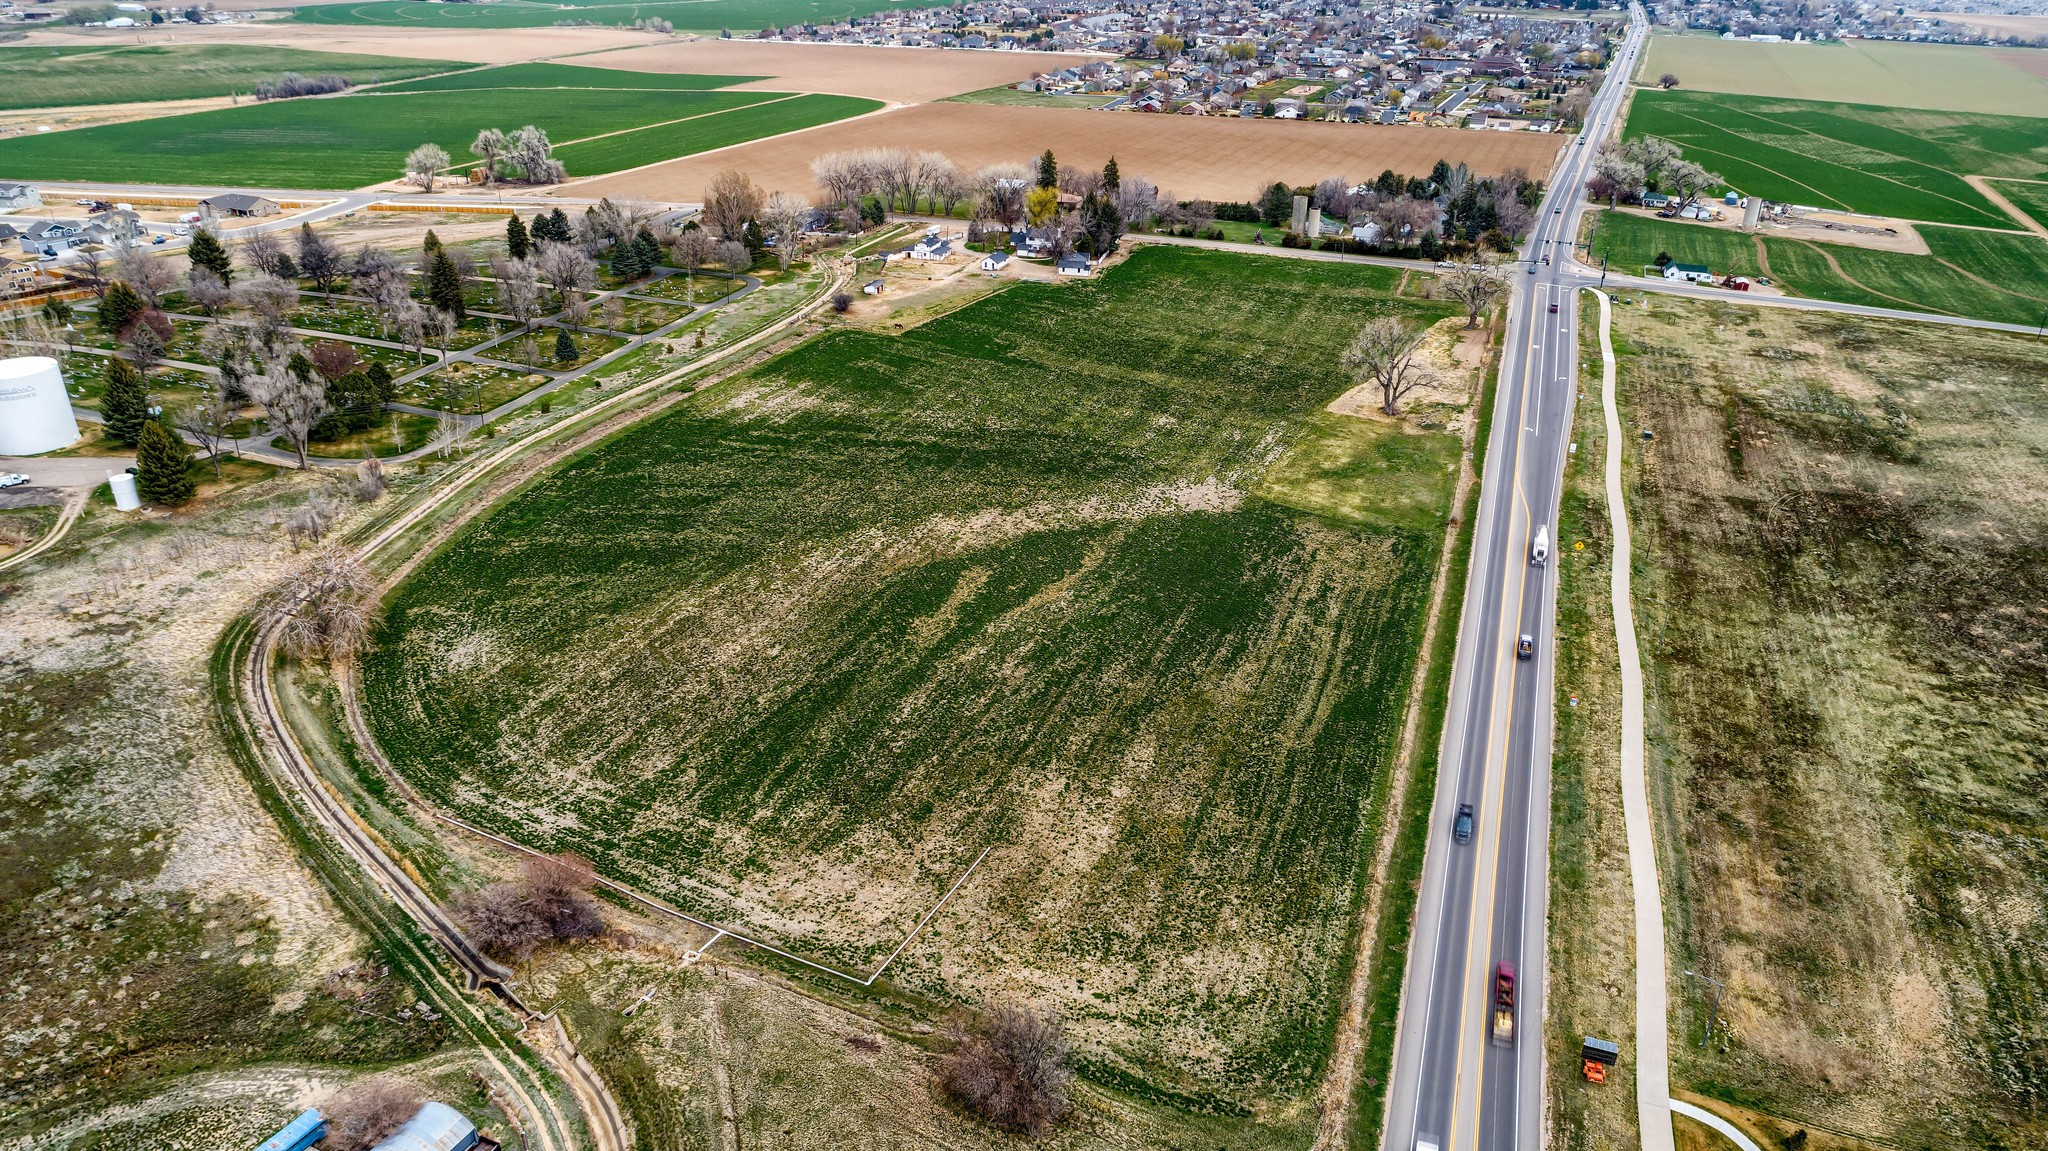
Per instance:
{"type": "Point", "coordinates": [123, 485]}
{"type": "Point", "coordinates": [35, 410]}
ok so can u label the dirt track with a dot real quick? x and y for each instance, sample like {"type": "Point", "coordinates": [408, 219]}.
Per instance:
{"type": "Point", "coordinates": [1216, 158]}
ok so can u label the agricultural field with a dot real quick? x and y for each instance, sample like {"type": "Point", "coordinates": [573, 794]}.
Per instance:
{"type": "Point", "coordinates": [887, 74]}
{"type": "Point", "coordinates": [1986, 275]}
{"type": "Point", "coordinates": [1881, 161]}
{"type": "Point", "coordinates": [43, 77]}
{"type": "Point", "coordinates": [1081, 593]}
{"type": "Point", "coordinates": [1007, 95]}
{"type": "Point", "coordinates": [1839, 613]}
{"type": "Point", "coordinates": [1884, 73]}
{"type": "Point", "coordinates": [571, 76]}
{"type": "Point", "coordinates": [346, 142]}
{"type": "Point", "coordinates": [692, 15]}
{"type": "Point", "coordinates": [2029, 197]}
{"type": "Point", "coordinates": [1214, 157]}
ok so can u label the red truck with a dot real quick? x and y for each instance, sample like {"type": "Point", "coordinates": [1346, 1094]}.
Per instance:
{"type": "Point", "coordinates": [1504, 1003]}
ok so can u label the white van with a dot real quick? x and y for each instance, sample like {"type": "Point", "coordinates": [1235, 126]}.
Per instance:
{"type": "Point", "coordinates": [1539, 551]}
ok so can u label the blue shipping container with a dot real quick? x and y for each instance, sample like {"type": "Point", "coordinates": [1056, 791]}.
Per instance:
{"type": "Point", "coordinates": [298, 1134]}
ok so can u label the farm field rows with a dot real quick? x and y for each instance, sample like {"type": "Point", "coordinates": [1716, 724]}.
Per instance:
{"type": "Point", "coordinates": [524, 76]}
{"type": "Point", "coordinates": [42, 77]}
{"type": "Point", "coordinates": [695, 15]}
{"type": "Point", "coordinates": [346, 142]}
{"type": "Point", "coordinates": [1219, 158]}
{"type": "Point", "coordinates": [1882, 161]}
{"type": "Point", "coordinates": [1987, 275]}
{"type": "Point", "coordinates": [1941, 77]}
{"type": "Point", "coordinates": [1089, 584]}
{"type": "Point", "coordinates": [892, 75]}
{"type": "Point", "coordinates": [702, 134]}
{"type": "Point", "coordinates": [1838, 616]}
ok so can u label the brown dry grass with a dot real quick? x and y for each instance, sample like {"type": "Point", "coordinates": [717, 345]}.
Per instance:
{"type": "Point", "coordinates": [2000, 24]}
{"type": "Point", "coordinates": [895, 75]}
{"type": "Point", "coordinates": [1215, 158]}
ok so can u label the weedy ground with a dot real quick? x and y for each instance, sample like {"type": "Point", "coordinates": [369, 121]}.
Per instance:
{"type": "Point", "coordinates": [170, 972]}
{"type": "Point", "coordinates": [1081, 576]}
{"type": "Point", "coordinates": [1841, 596]}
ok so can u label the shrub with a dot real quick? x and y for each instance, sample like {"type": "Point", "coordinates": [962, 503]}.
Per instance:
{"type": "Point", "coordinates": [366, 1112]}
{"type": "Point", "coordinates": [550, 901]}
{"type": "Point", "coordinates": [840, 302]}
{"type": "Point", "coordinates": [1011, 1070]}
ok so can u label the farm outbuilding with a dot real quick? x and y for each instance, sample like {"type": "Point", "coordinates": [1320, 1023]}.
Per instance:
{"type": "Point", "coordinates": [437, 1127]}
{"type": "Point", "coordinates": [309, 1128]}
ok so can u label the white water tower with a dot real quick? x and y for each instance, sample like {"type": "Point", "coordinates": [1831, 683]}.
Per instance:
{"type": "Point", "coordinates": [35, 411]}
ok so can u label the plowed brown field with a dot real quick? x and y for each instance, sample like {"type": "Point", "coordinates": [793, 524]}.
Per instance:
{"type": "Point", "coordinates": [1190, 156]}
{"type": "Point", "coordinates": [897, 75]}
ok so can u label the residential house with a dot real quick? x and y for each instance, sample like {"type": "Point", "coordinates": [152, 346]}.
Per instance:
{"type": "Point", "coordinates": [18, 196]}
{"type": "Point", "coordinates": [995, 261]}
{"type": "Point", "coordinates": [1075, 265]}
{"type": "Point", "coordinates": [1690, 273]}
{"type": "Point", "coordinates": [239, 204]}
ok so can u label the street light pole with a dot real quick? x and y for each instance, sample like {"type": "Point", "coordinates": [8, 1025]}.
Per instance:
{"type": "Point", "coordinates": [1715, 1017]}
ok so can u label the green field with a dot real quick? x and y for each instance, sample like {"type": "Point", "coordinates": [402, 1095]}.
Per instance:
{"type": "Point", "coordinates": [1938, 77]}
{"type": "Point", "coordinates": [58, 77]}
{"type": "Point", "coordinates": [696, 15]}
{"type": "Point", "coordinates": [1089, 583]}
{"type": "Point", "coordinates": [1839, 583]}
{"type": "Point", "coordinates": [2031, 198]}
{"type": "Point", "coordinates": [688, 137]}
{"type": "Point", "coordinates": [567, 76]}
{"type": "Point", "coordinates": [1012, 98]}
{"type": "Point", "coordinates": [1987, 275]}
{"type": "Point", "coordinates": [363, 139]}
{"type": "Point", "coordinates": [1883, 161]}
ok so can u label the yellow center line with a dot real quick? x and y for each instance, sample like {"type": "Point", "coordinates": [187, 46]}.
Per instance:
{"type": "Point", "coordinates": [1489, 796]}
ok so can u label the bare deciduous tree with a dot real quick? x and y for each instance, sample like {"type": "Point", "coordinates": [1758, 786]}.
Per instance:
{"type": "Point", "coordinates": [734, 257]}
{"type": "Point", "coordinates": [1476, 286]}
{"type": "Point", "coordinates": [89, 263]}
{"type": "Point", "coordinates": [785, 215]}
{"type": "Point", "coordinates": [326, 606]}
{"type": "Point", "coordinates": [1136, 199]}
{"type": "Point", "coordinates": [1002, 188]}
{"type": "Point", "coordinates": [1010, 1069]}
{"type": "Point", "coordinates": [291, 404]}
{"type": "Point", "coordinates": [366, 1112]}
{"type": "Point", "coordinates": [491, 147]}
{"type": "Point", "coordinates": [534, 156]}
{"type": "Point", "coordinates": [206, 420]}
{"type": "Point", "coordinates": [319, 259]}
{"type": "Point", "coordinates": [694, 249]}
{"type": "Point", "coordinates": [145, 273]}
{"type": "Point", "coordinates": [566, 268]}
{"type": "Point", "coordinates": [1686, 180]}
{"type": "Point", "coordinates": [839, 174]}
{"type": "Point", "coordinates": [730, 203]}
{"type": "Point", "coordinates": [1383, 354]}
{"type": "Point", "coordinates": [1668, 81]}
{"type": "Point", "coordinates": [266, 253]}
{"type": "Point", "coordinates": [206, 291]}
{"type": "Point", "coordinates": [423, 165]}
{"type": "Point", "coordinates": [370, 482]}
{"type": "Point", "coordinates": [1614, 176]}
{"type": "Point", "coordinates": [550, 901]}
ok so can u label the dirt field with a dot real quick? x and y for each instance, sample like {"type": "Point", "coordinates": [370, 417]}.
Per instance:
{"type": "Point", "coordinates": [897, 75]}
{"type": "Point", "coordinates": [1997, 24]}
{"type": "Point", "coordinates": [1942, 77]}
{"type": "Point", "coordinates": [1224, 159]}
{"type": "Point", "coordinates": [502, 46]}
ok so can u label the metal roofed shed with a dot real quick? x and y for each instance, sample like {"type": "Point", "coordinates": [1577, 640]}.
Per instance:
{"type": "Point", "coordinates": [436, 1127]}
{"type": "Point", "coordinates": [309, 1128]}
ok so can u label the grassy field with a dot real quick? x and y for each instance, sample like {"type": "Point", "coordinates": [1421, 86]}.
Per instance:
{"type": "Point", "coordinates": [120, 74]}
{"type": "Point", "coordinates": [1088, 583]}
{"type": "Point", "coordinates": [695, 15]}
{"type": "Point", "coordinates": [1883, 161]}
{"type": "Point", "coordinates": [1987, 275]}
{"type": "Point", "coordinates": [1937, 77]}
{"type": "Point", "coordinates": [357, 140]}
{"type": "Point", "coordinates": [1004, 94]}
{"type": "Point", "coordinates": [688, 137]}
{"type": "Point", "coordinates": [2031, 198]}
{"type": "Point", "coordinates": [1839, 592]}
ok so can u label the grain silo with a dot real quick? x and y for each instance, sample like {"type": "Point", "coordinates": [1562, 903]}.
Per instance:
{"type": "Point", "coordinates": [35, 411]}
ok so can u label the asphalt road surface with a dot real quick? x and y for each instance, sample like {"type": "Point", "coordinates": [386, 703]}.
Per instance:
{"type": "Point", "coordinates": [1456, 1084]}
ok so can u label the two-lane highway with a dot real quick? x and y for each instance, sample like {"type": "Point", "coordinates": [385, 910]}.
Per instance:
{"type": "Point", "coordinates": [1456, 1085]}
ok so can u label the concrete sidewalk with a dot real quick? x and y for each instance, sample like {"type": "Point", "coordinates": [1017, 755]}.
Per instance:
{"type": "Point", "coordinates": [1653, 1041]}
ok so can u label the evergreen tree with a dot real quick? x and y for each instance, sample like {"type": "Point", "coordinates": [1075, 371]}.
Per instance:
{"type": "Point", "coordinates": [1441, 173]}
{"type": "Point", "coordinates": [1048, 171]}
{"type": "Point", "coordinates": [163, 465]}
{"type": "Point", "coordinates": [565, 348]}
{"type": "Point", "coordinates": [125, 403]}
{"type": "Point", "coordinates": [1432, 248]}
{"type": "Point", "coordinates": [430, 246]}
{"type": "Point", "coordinates": [650, 249]}
{"type": "Point", "coordinates": [558, 227]}
{"type": "Point", "coordinates": [444, 286]}
{"type": "Point", "coordinates": [517, 244]}
{"type": "Point", "coordinates": [382, 388]}
{"type": "Point", "coordinates": [756, 240]}
{"type": "Point", "coordinates": [206, 251]}
{"type": "Point", "coordinates": [1276, 207]}
{"type": "Point", "coordinates": [119, 308]}
{"type": "Point", "coordinates": [1111, 178]}
{"type": "Point", "coordinates": [626, 262]}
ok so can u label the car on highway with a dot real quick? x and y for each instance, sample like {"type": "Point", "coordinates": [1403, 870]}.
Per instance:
{"type": "Point", "coordinates": [1461, 827]}
{"type": "Point", "coordinates": [1553, 309]}
{"type": "Point", "coordinates": [1525, 647]}
{"type": "Point", "coordinates": [13, 480]}
{"type": "Point", "coordinates": [1504, 1003]}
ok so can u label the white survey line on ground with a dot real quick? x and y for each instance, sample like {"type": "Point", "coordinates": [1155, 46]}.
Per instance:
{"type": "Point", "coordinates": [1653, 1060]}
{"type": "Point", "coordinates": [1735, 1134]}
